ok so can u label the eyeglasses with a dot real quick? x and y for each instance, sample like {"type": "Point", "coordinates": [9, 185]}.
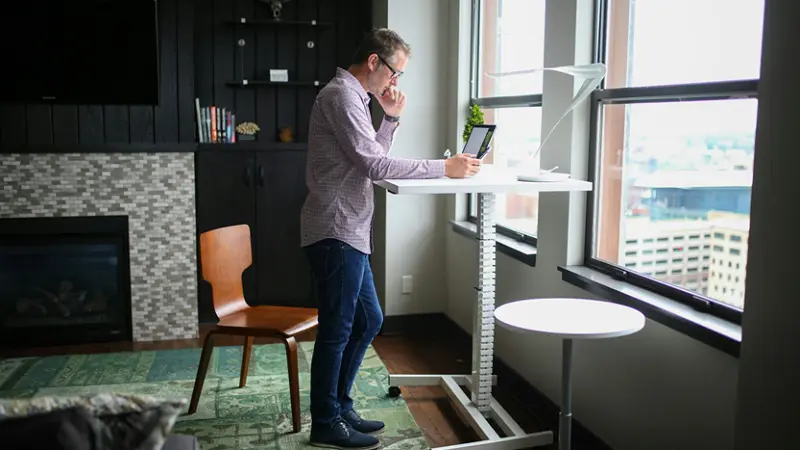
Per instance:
{"type": "Point", "coordinates": [395, 74]}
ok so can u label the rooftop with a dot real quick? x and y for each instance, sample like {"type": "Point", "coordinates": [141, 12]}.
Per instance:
{"type": "Point", "coordinates": [693, 179]}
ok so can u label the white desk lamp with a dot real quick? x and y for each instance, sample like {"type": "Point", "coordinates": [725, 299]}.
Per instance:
{"type": "Point", "coordinates": [593, 74]}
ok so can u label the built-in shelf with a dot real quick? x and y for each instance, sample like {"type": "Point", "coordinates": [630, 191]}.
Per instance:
{"type": "Point", "coordinates": [109, 147]}
{"type": "Point", "coordinates": [253, 145]}
{"type": "Point", "coordinates": [246, 21]}
{"type": "Point", "coordinates": [161, 147]}
{"type": "Point", "coordinates": [246, 83]}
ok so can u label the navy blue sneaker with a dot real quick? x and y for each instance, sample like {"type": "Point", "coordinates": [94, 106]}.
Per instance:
{"type": "Point", "coordinates": [342, 436]}
{"type": "Point", "coordinates": [362, 425]}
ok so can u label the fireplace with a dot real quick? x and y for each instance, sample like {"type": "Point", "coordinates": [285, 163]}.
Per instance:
{"type": "Point", "coordinates": [64, 280]}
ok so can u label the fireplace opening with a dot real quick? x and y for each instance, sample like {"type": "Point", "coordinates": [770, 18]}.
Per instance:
{"type": "Point", "coordinates": [64, 280]}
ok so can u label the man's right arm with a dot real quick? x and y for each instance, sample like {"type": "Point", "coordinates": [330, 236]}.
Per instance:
{"type": "Point", "coordinates": [354, 133]}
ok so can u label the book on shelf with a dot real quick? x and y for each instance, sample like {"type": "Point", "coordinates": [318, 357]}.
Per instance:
{"type": "Point", "coordinates": [215, 125]}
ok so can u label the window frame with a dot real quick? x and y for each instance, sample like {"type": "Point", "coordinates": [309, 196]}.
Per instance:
{"type": "Point", "coordinates": [499, 102]}
{"type": "Point", "coordinates": [688, 92]}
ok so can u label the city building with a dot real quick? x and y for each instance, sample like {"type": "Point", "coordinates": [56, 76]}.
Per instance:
{"type": "Point", "coordinates": [729, 237]}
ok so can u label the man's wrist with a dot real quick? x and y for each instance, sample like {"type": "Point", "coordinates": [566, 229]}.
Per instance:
{"type": "Point", "coordinates": [391, 118]}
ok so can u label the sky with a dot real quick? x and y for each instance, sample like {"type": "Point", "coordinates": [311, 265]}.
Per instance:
{"type": "Point", "coordinates": [672, 41]}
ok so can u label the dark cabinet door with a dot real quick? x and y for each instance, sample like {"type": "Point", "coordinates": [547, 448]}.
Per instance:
{"type": "Point", "coordinates": [225, 184]}
{"type": "Point", "coordinates": [284, 275]}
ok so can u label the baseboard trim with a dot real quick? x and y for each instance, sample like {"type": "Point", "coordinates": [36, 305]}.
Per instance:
{"type": "Point", "coordinates": [538, 404]}
{"type": "Point", "coordinates": [411, 323]}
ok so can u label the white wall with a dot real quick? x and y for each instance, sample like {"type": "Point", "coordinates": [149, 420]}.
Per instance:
{"type": "Point", "coordinates": [654, 390]}
{"type": "Point", "coordinates": [410, 229]}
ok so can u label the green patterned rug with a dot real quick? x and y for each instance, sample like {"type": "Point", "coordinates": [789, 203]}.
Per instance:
{"type": "Point", "coordinates": [257, 416]}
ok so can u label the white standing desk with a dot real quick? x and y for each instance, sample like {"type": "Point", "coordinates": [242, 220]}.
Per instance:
{"type": "Point", "coordinates": [481, 405]}
{"type": "Point", "coordinates": [569, 319]}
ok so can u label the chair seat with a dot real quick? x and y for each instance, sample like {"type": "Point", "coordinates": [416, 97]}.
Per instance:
{"type": "Point", "coordinates": [282, 320]}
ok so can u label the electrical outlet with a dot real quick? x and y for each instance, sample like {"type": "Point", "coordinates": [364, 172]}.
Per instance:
{"type": "Point", "coordinates": [408, 284]}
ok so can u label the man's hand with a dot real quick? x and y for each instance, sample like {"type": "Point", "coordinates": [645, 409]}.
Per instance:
{"type": "Point", "coordinates": [392, 101]}
{"type": "Point", "coordinates": [462, 165]}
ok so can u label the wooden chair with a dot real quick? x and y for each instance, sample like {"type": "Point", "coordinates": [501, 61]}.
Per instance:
{"type": "Point", "coordinates": [224, 254]}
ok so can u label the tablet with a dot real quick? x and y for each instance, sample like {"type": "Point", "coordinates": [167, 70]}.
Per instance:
{"type": "Point", "coordinates": [479, 139]}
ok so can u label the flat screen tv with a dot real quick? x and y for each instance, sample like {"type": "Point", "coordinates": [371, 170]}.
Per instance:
{"type": "Point", "coordinates": [79, 52]}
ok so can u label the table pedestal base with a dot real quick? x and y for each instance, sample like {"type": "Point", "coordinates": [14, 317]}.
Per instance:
{"type": "Point", "coordinates": [565, 417]}
{"type": "Point", "coordinates": [515, 437]}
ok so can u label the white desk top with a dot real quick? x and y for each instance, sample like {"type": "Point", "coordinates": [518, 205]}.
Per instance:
{"type": "Point", "coordinates": [489, 179]}
{"type": "Point", "coordinates": [570, 318]}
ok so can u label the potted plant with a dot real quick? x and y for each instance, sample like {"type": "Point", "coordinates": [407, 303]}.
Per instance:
{"type": "Point", "coordinates": [247, 131]}
{"type": "Point", "coordinates": [475, 118]}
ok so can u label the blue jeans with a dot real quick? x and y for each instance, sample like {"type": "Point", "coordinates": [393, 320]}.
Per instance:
{"type": "Point", "coordinates": [349, 319]}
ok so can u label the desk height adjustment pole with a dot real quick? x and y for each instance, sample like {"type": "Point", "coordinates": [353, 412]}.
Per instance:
{"type": "Point", "coordinates": [483, 334]}
{"type": "Point", "coordinates": [480, 407]}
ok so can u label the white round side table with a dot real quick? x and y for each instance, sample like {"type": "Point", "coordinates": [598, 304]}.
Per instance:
{"type": "Point", "coordinates": [569, 319]}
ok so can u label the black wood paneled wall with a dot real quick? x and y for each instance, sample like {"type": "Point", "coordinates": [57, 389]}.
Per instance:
{"type": "Point", "coordinates": [199, 55]}
{"type": "Point", "coordinates": [173, 120]}
{"type": "Point", "coordinates": [221, 60]}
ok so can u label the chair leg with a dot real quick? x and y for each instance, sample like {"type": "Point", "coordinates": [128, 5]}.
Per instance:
{"type": "Point", "coordinates": [294, 382]}
{"type": "Point", "coordinates": [248, 347]}
{"type": "Point", "coordinates": [205, 358]}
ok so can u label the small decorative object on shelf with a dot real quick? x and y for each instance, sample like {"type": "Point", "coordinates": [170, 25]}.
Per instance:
{"type": "Point", "coordinates": [276, 6]}
{"type": "Point", "coordinates": [475, 118]}
{"type": "Point", "coordinates": [215, 124]}
{"type": "Point", "coordinates": [278, 75]}
{"type": "Point", "coordinates": [247, 131]}
{"type": "Point", "coordinates": [285, 135]}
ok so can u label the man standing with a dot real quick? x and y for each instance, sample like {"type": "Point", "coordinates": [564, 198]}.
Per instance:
{"type": "Point", "coordinates": [345, 155]}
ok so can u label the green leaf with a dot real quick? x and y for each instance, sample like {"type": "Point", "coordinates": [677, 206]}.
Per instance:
{"type": "Point", "coordinates": [475, 118]}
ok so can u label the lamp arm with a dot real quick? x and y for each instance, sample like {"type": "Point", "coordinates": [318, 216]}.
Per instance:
{"type": "Point", "coordinates": [592, 73]}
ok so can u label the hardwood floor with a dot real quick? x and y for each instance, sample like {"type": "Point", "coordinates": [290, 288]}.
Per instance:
{"type": "Point", "coordinates": [436, 353]}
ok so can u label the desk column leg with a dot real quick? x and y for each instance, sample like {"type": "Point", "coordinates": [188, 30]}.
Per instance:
{"type": "Point", "coordinates": [565, 419]}
{"type": "Point", "coordinates": [483, 334]}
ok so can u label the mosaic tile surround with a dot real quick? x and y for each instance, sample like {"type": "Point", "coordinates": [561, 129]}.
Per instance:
{"type": "Point", "coordinates": [155, 190]}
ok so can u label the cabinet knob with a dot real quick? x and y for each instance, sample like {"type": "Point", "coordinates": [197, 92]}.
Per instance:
{"type": "Point", "coordinates": [261, 175]}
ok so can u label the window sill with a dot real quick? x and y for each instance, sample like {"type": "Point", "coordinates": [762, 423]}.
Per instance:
{"type": "Point", "coordinates": [711, 330]}
{"type": "Point", "coordinates": [521, 251]}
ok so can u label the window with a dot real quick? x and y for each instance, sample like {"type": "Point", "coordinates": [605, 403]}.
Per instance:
{"type": "Point", "coordinates": [510, 36]}
{"type": "Point", "coordinates": [673, 141]}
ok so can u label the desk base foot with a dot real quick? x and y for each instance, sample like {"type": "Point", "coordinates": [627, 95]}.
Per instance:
{"type": "Point", "coordinates": [515, 437]}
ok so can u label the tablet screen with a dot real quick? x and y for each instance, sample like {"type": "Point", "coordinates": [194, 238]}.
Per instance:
{"type": "Point", "coordinates": [479, 139]}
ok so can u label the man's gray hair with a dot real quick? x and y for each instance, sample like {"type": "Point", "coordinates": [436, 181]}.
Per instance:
{"type": "Point", "coordinates": [382, 41]}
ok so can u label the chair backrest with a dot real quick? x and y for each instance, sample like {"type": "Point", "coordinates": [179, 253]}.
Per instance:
{"type": "Point", "coordinates": [224, 254]}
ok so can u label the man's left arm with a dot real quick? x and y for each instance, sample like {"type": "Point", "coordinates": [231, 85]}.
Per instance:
{"type": "Point", "coordinates": [385, 134]}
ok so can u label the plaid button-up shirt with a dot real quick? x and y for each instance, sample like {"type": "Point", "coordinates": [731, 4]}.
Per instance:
{"type": "Point", "coordinates": [345, 155]}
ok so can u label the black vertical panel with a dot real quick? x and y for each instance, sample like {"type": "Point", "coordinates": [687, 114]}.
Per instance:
{"type": "Point", "coordinates": [306, 65]}
{"type": "Point", "coordinates": [116, 124]}
{"type": "Point", "coordinates": [187, 114]}
{"type": "Point", "coordinates": [245, 62]}
{"type": "Point", "coordinates": [347, 34]}
{"type": "Point", "coordinates": [90, 120]}
{"type": "Point", "coordinates": [224, 44]}
{"type": "Point", "coordinates": [12, 125]}
{"type": "Point", "coordinates": [40, 128]}
{"type": "Point", "coordinates": [287, 59]}
{"type": "Point", "coordinates": [225, 196]}
{"type": "Point", "coordinates": [65, 125]}
{"type": "Point", "coordinates": [326, 41]}
{"type": "Point", "coordinates": [266, 46]}
{"type": "Point", "coordinates": [142, 124]}
{"type": "Point", "coordinates": [284, 276]}
{"type": "Point", "coordinates": [204, 51]}
{"type": "Point", "coordinates": [166, 113]}
{"type": "Point", "coordinates": [363, 12]}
